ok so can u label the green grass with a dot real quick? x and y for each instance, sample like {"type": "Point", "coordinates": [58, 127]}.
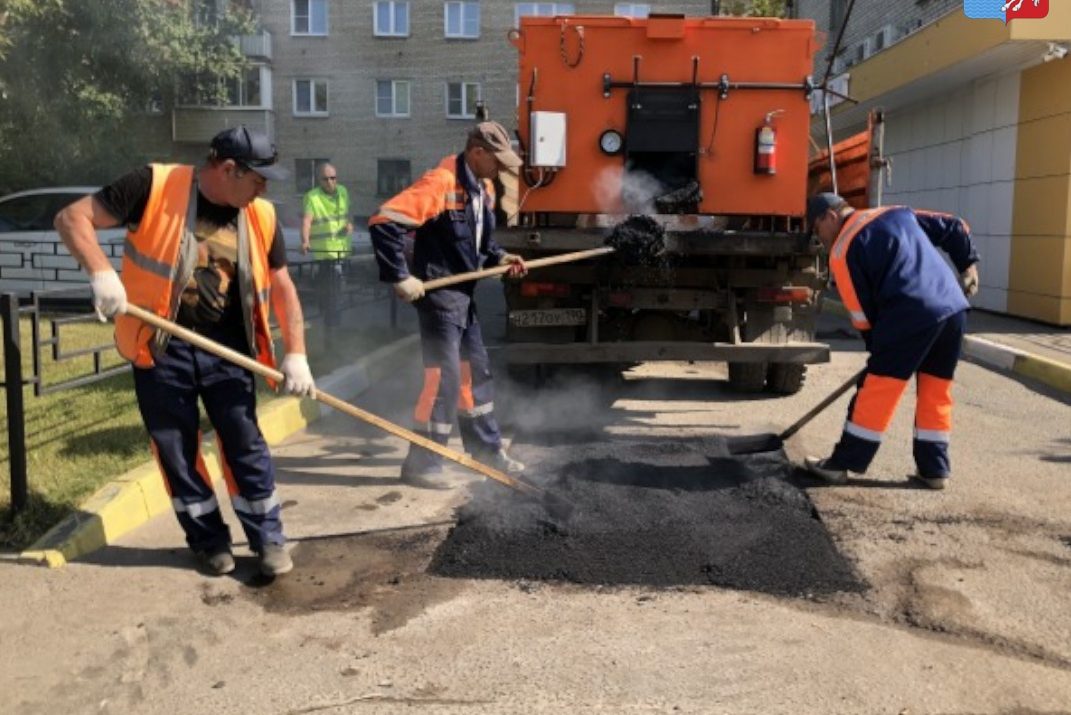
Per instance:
{"type": "Point", "coordinates": [77, 439]}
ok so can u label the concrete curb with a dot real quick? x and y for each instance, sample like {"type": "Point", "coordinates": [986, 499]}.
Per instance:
{"type": "Point", "coordinates": [130, 500]}
{"type": "Point", "coordinates": [1056, 375]}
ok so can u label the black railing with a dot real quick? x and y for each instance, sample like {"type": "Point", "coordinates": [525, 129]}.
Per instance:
{"type": "Point", "coordinates": [328, 287]}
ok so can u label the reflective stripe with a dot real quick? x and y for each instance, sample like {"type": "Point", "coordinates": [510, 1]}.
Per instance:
{"type": "Point", "coordinates": [195, 509]}
{"type": "Point", "coordinates": [862, 432]}
{"type": "Point", "coordinates": [144, 262]}
{"type": "Point", "coordinates": [932, 435]}
{"type": "Point", "coordinates": [838, 263]}
{"type": "Point", "coordinates": [259, 507]}
{"type": "Point", "coordinates": [397, 217]}
{"type": "Point", "coordinates": [478, 410]}
{"type": "Point", "coordinates": [440, 428]}
{"type": "Point", "coordinates": [264, 295]}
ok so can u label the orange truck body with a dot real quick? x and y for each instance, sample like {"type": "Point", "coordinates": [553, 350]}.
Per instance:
{"type": "Point", "coordinates": [563, 63]}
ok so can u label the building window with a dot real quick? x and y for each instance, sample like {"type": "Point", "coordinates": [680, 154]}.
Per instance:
{"type": "Point", "coordinates": [307, 173]}
{"type": "Point", "coordinates": [392, 98]}
{"type": "Point", "coordinates": [250, 89]}
{"type": "Point", "coordinates": [391, 19]}
{"type": "Point", "coordinates": [541, 9]}
{"type": "Point", "coordinates": [461, 19]}
{"type": "Point", "coordinates": [461, 98]}
{"type": "Point", "coordinates": [392, 176]}
{"type": "Point", "coordinates": [632, 9]}
{"type": "Point", "coordinates": [308, 17]}
{"type": "Point", "coordinates": [310, 97]}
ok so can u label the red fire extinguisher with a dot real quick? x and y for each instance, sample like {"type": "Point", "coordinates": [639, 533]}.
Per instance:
{"type": "Point", "coordinates": [766, 145]}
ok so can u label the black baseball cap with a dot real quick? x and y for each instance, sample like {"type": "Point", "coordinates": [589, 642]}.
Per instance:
{"type": "Point", "coordinates": [250, 148]}
{"type": "Point", "coordinates": [819, 204]}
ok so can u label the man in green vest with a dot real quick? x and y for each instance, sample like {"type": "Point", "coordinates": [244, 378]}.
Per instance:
{"type": "Point", "coordinates": [326, 228]}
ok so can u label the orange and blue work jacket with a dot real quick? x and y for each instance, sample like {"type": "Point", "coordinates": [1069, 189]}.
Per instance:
{"type": "Point", "coordinates": [438, 209]}
{"type": "Point", "coordinates": [160, 254]}
{"type": "Point", "coordinates": [890, 275]}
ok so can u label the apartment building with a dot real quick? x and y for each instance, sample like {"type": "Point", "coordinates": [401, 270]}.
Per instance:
{"type": "Point", "coordinates": [978, 123]}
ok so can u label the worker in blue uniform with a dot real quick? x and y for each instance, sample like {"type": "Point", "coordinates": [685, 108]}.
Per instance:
{"type": "Point", "coordinates": [910, 308]}
{"type": "Point", "coordinates": [450, 212]}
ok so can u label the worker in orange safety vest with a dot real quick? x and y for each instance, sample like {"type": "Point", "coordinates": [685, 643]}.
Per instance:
{"type": "Point", "coordinates": [911, 309]}
{"type": "Point", "coordinates": [203, 250]}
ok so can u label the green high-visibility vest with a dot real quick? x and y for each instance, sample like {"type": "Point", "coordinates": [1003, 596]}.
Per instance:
{"type": "Point", "coordinates": [330, 214]}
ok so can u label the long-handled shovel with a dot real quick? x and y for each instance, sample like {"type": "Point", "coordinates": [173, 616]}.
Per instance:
{"type": "Point", "coordinates": [557, 507]}
{"type": "Point", "coordinates": [753, 444]}
{"type": "Point", "coordinates": [499, 270]}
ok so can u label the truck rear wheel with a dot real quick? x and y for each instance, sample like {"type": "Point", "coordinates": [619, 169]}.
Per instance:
{"type": "Point", "coordinates": [786, 378]}
{"type": "Point", "coordinates": [747, 377]}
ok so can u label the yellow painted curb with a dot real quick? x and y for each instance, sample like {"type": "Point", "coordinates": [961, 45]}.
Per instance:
{"type": "Point", "coordinates": [131, 499]}
{"type": "Point", "coordinates": [1052, 373]}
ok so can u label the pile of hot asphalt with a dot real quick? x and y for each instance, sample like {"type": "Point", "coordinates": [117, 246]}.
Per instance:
{"type": "Point", "coordinates": [656, 514]}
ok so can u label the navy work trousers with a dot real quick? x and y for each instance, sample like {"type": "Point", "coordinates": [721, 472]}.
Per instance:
{"type": "Point", "coordinates": [168, 399]}
{"type": "Point", "coordinates": [457, 386]}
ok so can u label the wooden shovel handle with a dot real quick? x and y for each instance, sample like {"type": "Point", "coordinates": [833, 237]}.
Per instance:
{"type": "Point", "coordinates": [499, 270]}
{"type": "Point", "coordinates": [331, 401]}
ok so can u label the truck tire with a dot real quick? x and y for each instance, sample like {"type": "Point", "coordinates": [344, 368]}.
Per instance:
{"type": "Point", "coordinates": [785, 378]}
{"type": "Point", "coordinates": [747, 377]}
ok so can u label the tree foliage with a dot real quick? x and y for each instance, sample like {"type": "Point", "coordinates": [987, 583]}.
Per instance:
{"type": "Point", "coordinates": [78, 76]}
{"type": "Point", "coordinates": [756, 8]}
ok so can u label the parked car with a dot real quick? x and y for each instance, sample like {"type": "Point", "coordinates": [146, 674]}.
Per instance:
{"type": "Point", "coordinates": [32, 257]}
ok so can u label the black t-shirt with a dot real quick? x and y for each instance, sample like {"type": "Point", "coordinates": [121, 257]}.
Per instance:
{"type": "Point", "coordinates": [210, 301]}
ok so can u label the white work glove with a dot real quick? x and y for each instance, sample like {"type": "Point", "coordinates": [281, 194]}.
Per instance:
{"type": "Point", "coordinates": [297, 375]}
{"type": "Point", "coordinates": [409, 289]}
{"type": "Point", "coordinates": [516, 265]}
{"type": "Point", "coordinates": [968, 280]}
{"type": "Point", "coordinates": [109, 295]}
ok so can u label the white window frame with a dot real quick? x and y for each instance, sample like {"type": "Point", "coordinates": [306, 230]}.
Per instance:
{"type": "Point", "coordinates": [313, 83]}
{"type": "Point", "coordinates": [395, 85]}
{"type": "Point", "coordinates": [632, 9]}
{"type": "Point", "coordinates": [465, 87]}
{"type": "Point", "coordinates": [462, 6]}
{"type": "Point", "coordinates": [542, 9]}
{"type": "Point", "coordinates": [265, 89]}
{"type": "Point", "coordinates": [392, 16]}
{"type": "Point", "coordinates": [311, 32]}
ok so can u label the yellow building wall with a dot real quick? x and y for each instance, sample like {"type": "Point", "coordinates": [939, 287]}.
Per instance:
{"type": "Point", "coordinates": [1039, 281]}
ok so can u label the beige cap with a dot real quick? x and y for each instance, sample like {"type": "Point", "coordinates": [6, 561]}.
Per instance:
{"type": "Point", "coordinates": [493, 137]}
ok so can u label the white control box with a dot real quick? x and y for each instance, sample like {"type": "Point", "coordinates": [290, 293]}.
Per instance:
{"type": "Point", "coordinates": [547, 145]}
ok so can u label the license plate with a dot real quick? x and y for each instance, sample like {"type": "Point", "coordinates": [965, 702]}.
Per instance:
{"type": "Point", "coordinates": [548, 318]}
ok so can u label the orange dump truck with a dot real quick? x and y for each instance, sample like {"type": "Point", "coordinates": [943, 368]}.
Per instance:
{"type": "Point", "coordinates": [702, 124]}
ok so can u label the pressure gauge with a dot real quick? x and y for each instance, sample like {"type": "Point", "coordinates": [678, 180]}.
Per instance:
{"type": "Point", "coordinates": [611, 142]}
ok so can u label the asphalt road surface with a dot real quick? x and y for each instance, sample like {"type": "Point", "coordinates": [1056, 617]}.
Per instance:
{"type": "Point", "coordinates": [964, 604]}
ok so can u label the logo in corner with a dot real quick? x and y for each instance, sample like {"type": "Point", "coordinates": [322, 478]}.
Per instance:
{"type": "Point", "coordinates": [1006, 10]}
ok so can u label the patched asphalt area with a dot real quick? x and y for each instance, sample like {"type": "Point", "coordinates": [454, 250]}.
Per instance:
{"type": "Point", "coordinates": [660, 514]}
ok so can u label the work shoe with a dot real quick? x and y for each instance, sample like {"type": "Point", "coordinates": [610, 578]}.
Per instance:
{"type": "Point", "coordinates": [426, 480]}
{"type": "Point", "coordinates": [274, 560]}
{"type": "Point", "coordinates": [501, 461]}
{"type": "Point", "coordinates": [935, 483]}
{"type": "Point", "coordinates": [218, 562]}
{"type": "Point", "coordinates": [825, 470]}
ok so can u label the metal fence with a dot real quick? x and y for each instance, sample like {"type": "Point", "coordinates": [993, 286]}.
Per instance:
{"type": "Point", "coordinates": [327, 288]}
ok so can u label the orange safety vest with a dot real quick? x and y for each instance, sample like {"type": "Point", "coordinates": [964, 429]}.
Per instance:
{"type": "Point", "coordinates": [838, 263]}
{"type": "Point", "coordinates": [160, 254]}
